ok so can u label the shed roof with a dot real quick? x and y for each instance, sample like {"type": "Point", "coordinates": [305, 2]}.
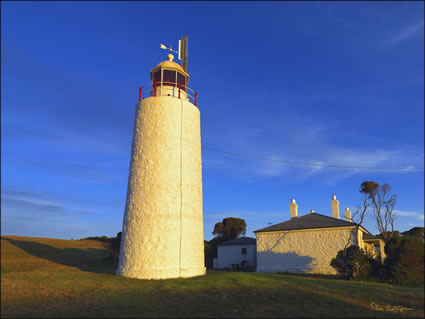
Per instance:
{"type": "Point", "coordinates": [371, 237]}
{"type": "Point", "coordinates": [309, 221]}
{"type": "Point", "coordinates": [240, 241]}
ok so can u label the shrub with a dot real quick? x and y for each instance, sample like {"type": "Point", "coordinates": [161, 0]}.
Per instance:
{"type": "Point", "coordinates": [102, 238]}
{"type": "Point", "coordinates": [210, 252]}
{"type": "Point", "coordinates": [352, 264]}
{"type": "Point", "coordinates": [415, 232]}
{"type": "Point", "coordinates": [112, 246]}
{"type": "Point", "coordinates": [405, 259]}
{"type": "Point", "coordinates": [378, 271]}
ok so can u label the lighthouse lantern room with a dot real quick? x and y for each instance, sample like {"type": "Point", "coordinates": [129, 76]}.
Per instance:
{"type": "Point", "coordinates": [168, 77]}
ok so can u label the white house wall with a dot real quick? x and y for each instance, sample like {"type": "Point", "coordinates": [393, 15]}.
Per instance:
{"type": "Point", "coordinates": [232, 254]}
{"type": "Point", "coordinates": [309, 251]}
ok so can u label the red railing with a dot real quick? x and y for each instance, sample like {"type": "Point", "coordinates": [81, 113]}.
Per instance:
{"type": "Point", "coordinates": [177, 90]}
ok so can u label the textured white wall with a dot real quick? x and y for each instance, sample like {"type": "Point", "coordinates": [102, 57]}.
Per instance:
{"type": "Point", "coordinates": [300, 251]}
{"type": "Point", "coordinates": [166, 154]}
{"type": "Point", "coordinates": [232, 254]}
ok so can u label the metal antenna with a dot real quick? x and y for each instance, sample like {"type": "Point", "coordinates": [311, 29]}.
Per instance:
{"type": "Point", "coordinates": [183, 50]}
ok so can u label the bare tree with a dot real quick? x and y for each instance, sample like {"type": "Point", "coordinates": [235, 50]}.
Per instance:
{"type": "Point", "coordinates": [382, 203]}
{"type": "Point", "coordinates": [358, 217]}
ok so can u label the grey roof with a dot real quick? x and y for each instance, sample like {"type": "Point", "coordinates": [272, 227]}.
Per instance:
{"type": "Point", "coordinates": [312, 220]}
{"type": "Point", "coordinates": [370, 236]}
{"type": "Point", "coordinates": [239, 241]}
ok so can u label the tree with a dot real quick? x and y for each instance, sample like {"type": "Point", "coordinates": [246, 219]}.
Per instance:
{"type": "Point", "coordinates": [358, 216]}
{"type": "Point", "coordinates": [415, 232]}
{"type": "Point", "coordinates": [112, 246]}
{"type": "Point", "coordinates": [210, 252]}
{"type": "Point", "coordinates": [230, 228]}
{"type": "Point", "coordinates": [378, 197]}
{"type": "Point", "coordinates": [405, 259]}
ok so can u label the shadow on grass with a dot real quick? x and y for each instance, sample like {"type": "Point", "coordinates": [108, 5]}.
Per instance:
{"type": "Point", "coordinates": [90, 260]}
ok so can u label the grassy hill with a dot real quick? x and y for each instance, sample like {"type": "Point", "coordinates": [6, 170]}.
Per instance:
{"type": "Point", "coordinates": [43, 277]}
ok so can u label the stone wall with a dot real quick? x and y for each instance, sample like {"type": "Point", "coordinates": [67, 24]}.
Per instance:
{"type": "Point", "coordinates": [309, 251]}
{"type": "Point", "coordinates": [162, 234]}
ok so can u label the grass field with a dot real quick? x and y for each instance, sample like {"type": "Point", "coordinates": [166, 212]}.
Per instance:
{"type": "Point", "coordinates": [43, 277]}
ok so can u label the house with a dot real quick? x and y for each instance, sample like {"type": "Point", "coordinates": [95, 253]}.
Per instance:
{"type": "Point", "coordinates": [374, 246]}
{"type": "Point", "coordinates": [238, 251]}
{"type": "Point", "coordinates": [308, 243]}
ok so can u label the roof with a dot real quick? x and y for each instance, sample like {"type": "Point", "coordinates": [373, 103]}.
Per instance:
{"type": "Point", "coordinates": [309, 221]}
{"type": "Point", "coordinates": [240, 241]}
{"type": "Point", "coordinates": [170, 65]}
{"type": "Point", "coordinates": [370, 237]}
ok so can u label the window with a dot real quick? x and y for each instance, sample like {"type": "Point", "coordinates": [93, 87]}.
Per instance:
{"type": "Point", "coordinates": [181, 78]}
{"type": "Point", "coordinates": [243, 251]}
{"type": "Point", "coordinates": [157, 77]}
{"type": "Point", "coordinates": [169, 78]}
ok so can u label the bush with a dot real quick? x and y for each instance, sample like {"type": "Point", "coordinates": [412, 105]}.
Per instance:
{"type": "Point", "coordinates": [210, 252]}
{"type": "Point", "coordinates": [112, 246]}
{"type": "Point", "coordinates": [102, 238]}
{"type": "Point", "coordinates": [404, 263]}
{"type": "Point", "coordinates": [378, 271]}
{"type": "Point", "coordinates": [405, 259]}
{"type": "Point", "coordinates": [352, 264]}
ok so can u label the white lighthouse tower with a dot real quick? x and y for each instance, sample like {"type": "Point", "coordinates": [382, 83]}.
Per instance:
{"type": "Point", "coordinates": [162, 235]}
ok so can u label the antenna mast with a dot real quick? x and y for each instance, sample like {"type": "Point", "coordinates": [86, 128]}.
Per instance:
{"type": "Point", "coordinates": [183, 50]}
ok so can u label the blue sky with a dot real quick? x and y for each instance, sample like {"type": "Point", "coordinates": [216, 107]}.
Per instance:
{"type": "Point", "coordinates": [316, 82]}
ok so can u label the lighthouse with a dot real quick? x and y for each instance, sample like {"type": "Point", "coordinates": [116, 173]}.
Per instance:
{"type": "Point", "coordinates": [162, 233]}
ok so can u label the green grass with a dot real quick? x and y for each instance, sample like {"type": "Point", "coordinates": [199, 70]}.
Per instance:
{"type": "Point", "coordinates": [43, 277]}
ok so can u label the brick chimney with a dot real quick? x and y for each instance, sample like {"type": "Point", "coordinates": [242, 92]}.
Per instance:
{"type": "Point", "coordinates": [347, 215]}
{"type": "Point", "coordinates": [335, 207]}
{"type": "Point", "coordinates": [293, 208]}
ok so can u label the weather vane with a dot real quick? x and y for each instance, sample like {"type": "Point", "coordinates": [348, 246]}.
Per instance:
{"type": "Point", "coordinates": [169, 49]}
{"type": "Point", "coordinates": [182, 53]}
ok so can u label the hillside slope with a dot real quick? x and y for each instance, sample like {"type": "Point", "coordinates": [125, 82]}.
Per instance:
{"type": "Point", "coordinates": [43, 277]}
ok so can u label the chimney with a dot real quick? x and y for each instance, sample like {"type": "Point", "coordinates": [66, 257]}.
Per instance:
{"type": "Point", "coordinates": [335, 207]}
{"type": "Point", "coordinates": [347, 215]}
{"type": "Point", "coordinates": [293, 208]}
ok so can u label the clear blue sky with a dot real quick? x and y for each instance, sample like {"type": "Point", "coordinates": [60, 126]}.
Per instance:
{"type": "Point", "coordinates": [317, 82]}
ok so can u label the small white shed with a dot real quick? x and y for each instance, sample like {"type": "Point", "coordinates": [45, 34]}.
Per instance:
{"type": "Point", "coordinates": [235, 252]}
